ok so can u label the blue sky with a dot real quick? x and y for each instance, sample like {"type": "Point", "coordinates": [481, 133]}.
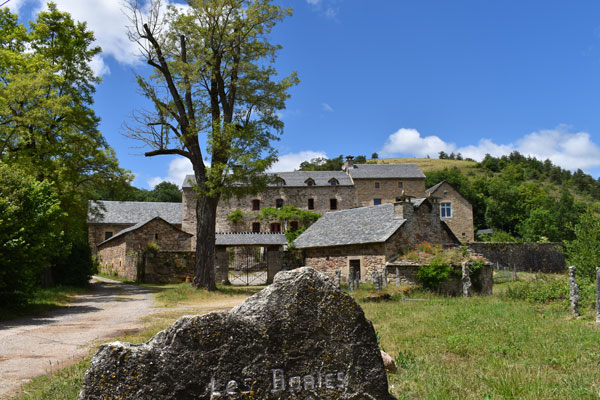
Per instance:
{"type": "Point", "coordinates": [400, 78]}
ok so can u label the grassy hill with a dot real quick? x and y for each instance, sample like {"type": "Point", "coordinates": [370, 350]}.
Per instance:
{"type": "Point", "coordinates": [431, 164]}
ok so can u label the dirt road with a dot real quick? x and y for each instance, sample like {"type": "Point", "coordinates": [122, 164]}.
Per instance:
{"type": "Point", "coordinates": [38, 345]}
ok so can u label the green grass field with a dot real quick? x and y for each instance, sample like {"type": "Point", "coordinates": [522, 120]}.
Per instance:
{"type": "Point", "coordinates": [446, 348]}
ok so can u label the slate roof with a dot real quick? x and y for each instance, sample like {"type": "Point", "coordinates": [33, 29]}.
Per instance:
{"type": "Point", "coordinates": [373, 224]}
{"type": "Point", "coordinates": [246, 239]}
{"type": "Point", "coordinates": [383, 171]}
{"type": "Point", "coordinates": [132, 212]}
{"type": "Point", "coordinates": [138, 226]}
{"type": "Point", "coordinates": [432, 189]}
{"type": "Point", "coordinates": [298, 178]}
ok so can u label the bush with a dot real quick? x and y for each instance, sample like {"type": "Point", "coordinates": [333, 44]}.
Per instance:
{"type": "Point", "coordinates": [77, 268]}
{"type": "Point", "coordinates": [435, 273]}
{"type": "Point", "coordinates": [30, 235]}
{"type": "Point", "coordinates": [583, 251]}
{"type": "Point", "coordinates": [548, 290]}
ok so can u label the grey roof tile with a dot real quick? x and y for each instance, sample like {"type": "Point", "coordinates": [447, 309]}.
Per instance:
{"type": "Point", "coordinates": [383, 171]}
{"type": "Point", "coordinates": [138, 226]}
{"type": "Point", "coordinates": [132, 212]}
{"type": "Point", "coordinates": [299, 178]}
{"type": "Point", "coordinates": [373, 224]}
{"type": "Point", "coordinates": [245, 239]}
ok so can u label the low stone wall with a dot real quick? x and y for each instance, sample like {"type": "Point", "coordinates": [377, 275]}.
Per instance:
{"type": "Point", "coordinates": [407, 274]}
{"type": "Point", "coordinates": [533, 257]}
{"type": "Point", "coordinates": [168, 267]}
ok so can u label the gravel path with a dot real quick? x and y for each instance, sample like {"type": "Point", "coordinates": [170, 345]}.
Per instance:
{"type": "Point", "coordinates": [38, 345]}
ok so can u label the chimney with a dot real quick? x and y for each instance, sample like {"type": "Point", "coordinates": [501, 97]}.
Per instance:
{"type": "Point", "coordinates": [403, 208]}
{"type": "Point", "coordinates": [349, 164]}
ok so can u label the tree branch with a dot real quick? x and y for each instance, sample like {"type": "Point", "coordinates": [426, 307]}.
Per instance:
{"type": "Point", "coordinates": [168, 152]}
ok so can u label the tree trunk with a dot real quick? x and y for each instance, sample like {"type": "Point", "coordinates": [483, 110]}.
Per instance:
{"type": "Point", "coordinates": [206, 216]}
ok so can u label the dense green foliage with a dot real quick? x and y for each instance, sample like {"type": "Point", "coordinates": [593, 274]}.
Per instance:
{"type": "Point", "coordinates": [163, 192]}
{"type": "Point", "coordinates": [49, 133]}
{"type": "Point", "coordinates": [552, 290]}
{"type": "Point", "coordinates": [584, 250]}
{"type": "Point", "coordinates": [30, 233]}
{"type": "Point", "coordinates": [329, 164]}
{"type": "Point", "coordinates": [285, 215]}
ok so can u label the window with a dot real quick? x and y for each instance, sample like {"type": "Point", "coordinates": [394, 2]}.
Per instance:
{"type": "Point", "coordinates": [309, 182]}
{"type": "Point", "coordinates": [156, 236]}
{"type": "Point", "coordinates": [311, 204]}
{"type": "Point", "coordinates": [376, 202]}
{"type": "Point", "coordinates": [256, 227]}
{"type": "Point", "coordinates": [333, 204]}
{"type": "Point", "coordinates": [255, 205]}
{"type": "Point", "coordinates": [399, 185]}
{"type": "Point", "coordinates": [107, 235]}
{"type": "Point", "coordinates": [278, 203]}
{"type": "Point", "coordinates": [445, 194]}
{"type": "Point", "coordinates": [376, 185]}
{"type": "Point", "coordinates": [275, 227]}
{"type": "Point", "coordinates": [446, 210]}
{"type": "Point", "coordinates": [294, 225]}
{"type": "Point", "coordinates": [280, 182]}
{"type": "Point", "coordinates": [333, 182]}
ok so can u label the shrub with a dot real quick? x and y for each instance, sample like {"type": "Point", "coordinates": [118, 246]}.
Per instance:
{"type": "Point", "coordinates": [77, 268]}
{"type": "Point", "coordinates": [548, 290]}
{"type": "Point", "coordinates": [435, 273]}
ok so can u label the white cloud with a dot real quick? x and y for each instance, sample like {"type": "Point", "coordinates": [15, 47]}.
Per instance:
{"type": "Point", "coordinates": [327, 107]}
{"type": "Point", "coordinates": [178, 169]}
{"type": "Point", "coordinates": [570, 150]}
{"type": "Point", "coordinates": [327, 8]}
{"type": "Point", "coordinates": [291, 161]}
{"type": "Point", "coordinates": [108, 20]}
{"type": "Point", "coordinates": [410, 143]}
{"type": "Point", "coordinates": [15, 5]}
{"type": "Point", "coordinates": [314, 2]}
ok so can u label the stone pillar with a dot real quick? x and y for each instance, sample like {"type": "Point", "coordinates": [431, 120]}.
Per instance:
{"type": "Point", "coordinates": [352, 278]}
{"type": "Point", "coordinates": [337, 277]}
{"type": "Point", "coordinates": [274, 262]}
{"type": "Point", "coordinates": [398, 276]}
{"type": "Point", "coordinates": [466, 280]}
{"type": "Point", "coordinates": [598, 295]}
{"type": "Point", "coordinates": [574, 296]}
{"type": "Point", "coordinates": [379, 280]}
{"type": "Point", "coordinates": [221, 265]}
{"type": "Point", "coordinates": [385, 276]}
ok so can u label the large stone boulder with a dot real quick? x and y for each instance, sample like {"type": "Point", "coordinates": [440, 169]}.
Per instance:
{"type": "Point", "coordinates": [300, 338]}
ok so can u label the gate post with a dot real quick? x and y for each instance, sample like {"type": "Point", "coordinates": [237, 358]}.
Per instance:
{"type": "Point", "coordinates": [221, 264]}
{"type": "Point", "coordinates": [274, 262]}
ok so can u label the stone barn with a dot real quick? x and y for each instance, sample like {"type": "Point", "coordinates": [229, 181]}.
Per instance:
{"type": "Point", "coordinates": [369, 237]}
{"type": "Point", "coordinates": [120, 254]}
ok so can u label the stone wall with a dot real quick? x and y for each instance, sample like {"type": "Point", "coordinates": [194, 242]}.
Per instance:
{"type": "Point", "coordinates": [113, 259]}
{"type": "Point", "coordinates": [293, 196]}
{"type": "Point", "coordinates": [330, 259]}
{"type": "Point", "coordinates": [388, 189]}
{"type": "Point", "coordinates": [534, 257]}
{"type": "Point", "coordinates": [482, 282]}
{"type": "Point", "coordinates": [96, 233]}
{"type": "Point", "coordinates": [422, 225]}
{"type": "Point", "coordinates": [461, 220]}
{"type": "Point", "coordinates": [168, 266]}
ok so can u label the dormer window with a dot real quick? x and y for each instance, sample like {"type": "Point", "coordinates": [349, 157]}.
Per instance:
{"type": "Point", "coordinates": [280, 182]}
{"type": "Point", "coordinates": [334, 182]}
{"type": "Point", "coordinates": [310, 182]}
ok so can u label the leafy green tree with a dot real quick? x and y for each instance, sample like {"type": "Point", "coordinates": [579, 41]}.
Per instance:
{"type": "Point", "coordinates": [584, 250]}
{"type": "Point", "coordinates": [165, 192]}
{"type": "Point", "coordinates": [214, 79]}
{"type": "Point", "coordinates": [286, 214]}
{"type": "Point", "coordinates": [48, 127]}
{"type": "Point", "coordinates": [323, 164]}
{"type": "Point", "coordinates": [30, 235]}
{"type": "Point", "coordinates": [374, 156]}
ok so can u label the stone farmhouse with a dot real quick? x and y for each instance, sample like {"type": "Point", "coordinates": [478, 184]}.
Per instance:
{"type": "Point", "coordinates": [363, 193]}
{"type": "Point", "coordinates": [368, 238]}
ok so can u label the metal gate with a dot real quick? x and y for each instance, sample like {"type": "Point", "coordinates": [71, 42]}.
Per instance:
{"type": "Point", "coordinates": [247, 265]}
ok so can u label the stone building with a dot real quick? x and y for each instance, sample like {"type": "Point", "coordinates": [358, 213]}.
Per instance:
{"type": "Point", "coordinates": [455, 210]}
{"type": "Point", "coordinates": [107, 218]}
{"type": "Point", "coordinates": [119, 254]}
{"type": "Point", "coordinates": [322, 192]}
{"type": "Point", "coordinates": [369, 237]}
